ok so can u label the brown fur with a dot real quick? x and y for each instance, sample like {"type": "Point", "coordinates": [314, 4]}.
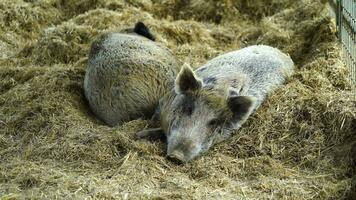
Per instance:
{"type": "Point", "coordinates": [127, 74]}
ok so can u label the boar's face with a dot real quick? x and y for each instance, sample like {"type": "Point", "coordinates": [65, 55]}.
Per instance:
{"type": "Point", "coordinates": [194, 118]}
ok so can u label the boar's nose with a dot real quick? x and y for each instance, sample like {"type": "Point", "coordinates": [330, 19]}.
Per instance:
{"type": "Point", "coordinates": [176, 156]}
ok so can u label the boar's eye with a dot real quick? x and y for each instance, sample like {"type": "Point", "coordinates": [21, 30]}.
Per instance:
{"type": "Point", "coordinates": [188, 105]}
{"type": "Point", "coordinates": [173, 125]}
{"type": "Point", "coordinates": [215, 122]}
{"type": "Point", "coordinates": [188, 108]}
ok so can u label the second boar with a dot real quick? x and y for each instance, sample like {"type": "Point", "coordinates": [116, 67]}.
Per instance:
{"type": "Point", "coordinates": [207, 106]}
{"type": "Point", "coordinates": [127, 74]}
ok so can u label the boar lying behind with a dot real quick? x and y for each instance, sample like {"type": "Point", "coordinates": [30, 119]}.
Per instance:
{"type": "Point", "coordinates": [207, 106]}
{"type": "Point", "coordinates": [127, 74]}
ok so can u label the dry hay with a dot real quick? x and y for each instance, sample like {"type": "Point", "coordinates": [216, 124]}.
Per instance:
{"type": "Point", "coordinates": [299, 145]}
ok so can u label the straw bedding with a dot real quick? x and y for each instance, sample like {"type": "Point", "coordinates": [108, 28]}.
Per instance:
{"type": "Point", "coordinates": [300, 144]}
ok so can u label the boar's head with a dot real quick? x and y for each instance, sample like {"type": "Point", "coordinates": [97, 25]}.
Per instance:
{"type": "Point", "coordinates": [194, 117]}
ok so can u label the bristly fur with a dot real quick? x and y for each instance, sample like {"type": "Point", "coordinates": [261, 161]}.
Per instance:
{"type": "Point", "coordinates": [117, 65]}
{"type": "Point", "coordinates": [195, 116]}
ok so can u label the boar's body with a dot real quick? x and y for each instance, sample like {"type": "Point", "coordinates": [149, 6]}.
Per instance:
{"type": "Point", "coordinates": [207, 106]}
{"type": "Point", "coordinates": [127, 74]}
{"type": "Point", "coordinates": [253, 71]}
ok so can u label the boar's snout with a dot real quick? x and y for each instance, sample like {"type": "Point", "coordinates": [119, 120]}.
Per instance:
{"type": "Point", "coordinates": [177, 157]}
{"type": "Point", "coordinates": [182, 150]}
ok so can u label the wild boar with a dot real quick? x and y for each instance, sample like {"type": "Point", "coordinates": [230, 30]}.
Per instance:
{"type": "Point", "coordinates": [127, 74]}
{"type": "Point", "coordinates": [208, 106]}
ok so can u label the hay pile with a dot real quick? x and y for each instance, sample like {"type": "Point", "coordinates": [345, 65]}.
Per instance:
{"type": "Point", "coordinates": [297, 146]}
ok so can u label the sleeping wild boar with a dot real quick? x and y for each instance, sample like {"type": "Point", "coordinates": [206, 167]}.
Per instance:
{"type": "Point", "coordinates": [208, 105]}
{"type": "Point", "coordinates": [128, 72]}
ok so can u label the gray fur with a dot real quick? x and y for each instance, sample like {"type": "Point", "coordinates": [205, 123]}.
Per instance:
{"type": "Point", "coordinates": [126, 76]}
{"type": "Point", "coordinates": [264, 67]}
{"type": "Point", "coordinates": [241, 81]}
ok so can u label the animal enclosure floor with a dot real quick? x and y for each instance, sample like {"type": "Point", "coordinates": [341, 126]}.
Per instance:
{"type": "Point", "coordinates": [298, 145]}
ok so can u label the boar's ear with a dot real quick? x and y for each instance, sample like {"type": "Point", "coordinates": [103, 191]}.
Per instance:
{"type": "Point", "coordinates": [143, 30]}
{"type": "Point", "coordinates": [187, 81]}
{"type": "Point", "coordinates": [240, 106]}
